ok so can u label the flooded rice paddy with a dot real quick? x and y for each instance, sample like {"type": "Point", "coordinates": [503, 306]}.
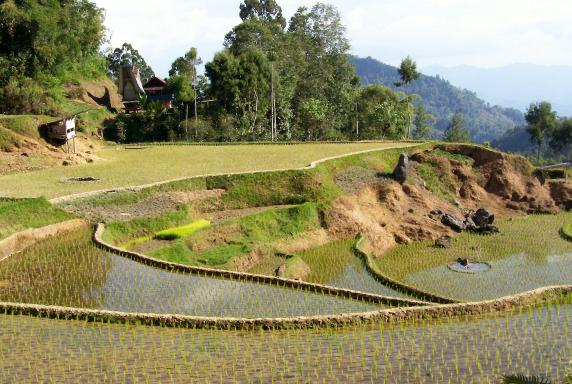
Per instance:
{"type": "Point", "coordinates": [476, 350]}
{"type": "Point", "coordinates": [529, 253]}
{"type": "Point", "coordinates": [72, 272]}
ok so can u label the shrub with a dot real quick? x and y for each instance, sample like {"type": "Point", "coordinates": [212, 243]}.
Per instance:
{"type": "Point", "coordinates": [25, 96]}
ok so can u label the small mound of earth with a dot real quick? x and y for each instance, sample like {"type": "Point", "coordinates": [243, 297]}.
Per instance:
{"type": "Point", "coordinates": [354, 179]}
{"type": "Point", "coordinates": [86, 179]}
{"type": "Point", "coordinates": [476, 267]}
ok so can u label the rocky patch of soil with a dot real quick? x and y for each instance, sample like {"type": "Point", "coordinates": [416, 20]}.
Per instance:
{"type": "Point", "coordinates": [354, 179]}
{"type": "Point", "coordinates": [150, 207]}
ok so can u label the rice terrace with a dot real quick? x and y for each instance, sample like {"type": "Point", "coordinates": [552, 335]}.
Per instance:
{"type": "Point", "coordinates": [287, 213]}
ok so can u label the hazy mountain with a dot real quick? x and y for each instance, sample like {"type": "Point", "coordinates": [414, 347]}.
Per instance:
{"type": "Point", "coordinates": [484, 122]}
{"type": "Point", "coordinates": [514, 86]}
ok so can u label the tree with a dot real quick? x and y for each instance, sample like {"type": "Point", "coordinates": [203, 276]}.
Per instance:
{"type": "Point", "coordinates": [241, 85]}
{"type": "Point", "coordinates": [182, 89]}
{"type": "Point", "coordinates": [408, 73]}
{"type": "Point", "coordinates": [265, 10]}
{"type": "Point", "coordinates": [127, 55]}
{"type": "Point", "coordinates": [186, 65]}
{"type": "Point", "coordinates": [423, 123]}
{"type": "Point", "coordinates": [318, 53]}
{"type": "Point", "coordinates": [382, 113]}
{"type": "Point", "coordinates": [541, 122]}
{"type": "Point", "coordinates": [313, 114]}
{"type": "Point", "coordinates": [456, 131]}
{"type": "Point", "coordinates": [561, 138]}
{"type": "Point", "coordinates": [43, 44]}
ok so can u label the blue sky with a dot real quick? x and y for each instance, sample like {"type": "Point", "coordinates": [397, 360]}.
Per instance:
{"type": "Point", "coordinates": [484, 33]}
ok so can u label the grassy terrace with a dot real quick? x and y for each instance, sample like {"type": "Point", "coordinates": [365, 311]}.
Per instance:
{"type": "Point", "coordinates": [136, 166]}
{"type": "Point", "coordinates": [17, 216]}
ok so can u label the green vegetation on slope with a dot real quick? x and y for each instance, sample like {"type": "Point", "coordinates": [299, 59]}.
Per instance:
{"type": "Point", "coordinates": [23, 214]}
{"type": "Point", "coordinates": [240, 236]}
{"type": "Point", "coordinates": [122, 232]}
{"type": "Point", "coordinates": [45, 45]}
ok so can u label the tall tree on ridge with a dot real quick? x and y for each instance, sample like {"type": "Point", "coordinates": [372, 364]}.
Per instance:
{"type": "Point", "coordinates": [456, 131]}
{"type": "Point", "coordinates": [541, 121]}
{"type": "Point", "coordinates": [408, 74]}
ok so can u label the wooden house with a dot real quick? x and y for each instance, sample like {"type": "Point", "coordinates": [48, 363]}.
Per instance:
{"type": "Point", "coordinates": [155, 91]}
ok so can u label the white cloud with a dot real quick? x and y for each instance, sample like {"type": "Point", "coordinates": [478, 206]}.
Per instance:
{"type": "Point", "coordinates": [447, 32]}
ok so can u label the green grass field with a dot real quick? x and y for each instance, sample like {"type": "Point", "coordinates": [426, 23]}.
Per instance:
{"type": "Point", "coordinates": [34, 213]}
{"type": "Point", "coordinates": [121, 167]}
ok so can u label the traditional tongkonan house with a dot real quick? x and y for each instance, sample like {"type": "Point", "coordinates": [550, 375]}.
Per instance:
{"type": "Point", "coordinates": [130, 88]}
{"type": "Point", "coordinates": [155, 90]}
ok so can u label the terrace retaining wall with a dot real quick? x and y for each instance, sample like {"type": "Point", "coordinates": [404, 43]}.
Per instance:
{"type": "Point", "coordinates": [19, 241]}
{"type": "Point", "coordinates": [398, 286]}
{"type": "Point", "coordinates": [276, 281]}
{"type": "Point", "coordinates": [397, 315]}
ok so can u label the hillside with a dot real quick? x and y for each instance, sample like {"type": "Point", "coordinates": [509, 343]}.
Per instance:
{"type": "Point", "coordinates": [515, 85]}
{"type": "Point", "coordinates": [441, 98]}
{"type": "Point", "coordinates": [24, 145]}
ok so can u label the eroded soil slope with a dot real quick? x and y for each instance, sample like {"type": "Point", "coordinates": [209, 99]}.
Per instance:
{"type": "Point", "coordinates": [450, 178]}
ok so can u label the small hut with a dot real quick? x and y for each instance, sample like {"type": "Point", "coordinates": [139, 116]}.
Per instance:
{"type": "Point", "coordinates": [63, 130]}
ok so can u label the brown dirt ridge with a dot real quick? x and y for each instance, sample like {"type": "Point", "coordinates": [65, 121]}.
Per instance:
{"type": "Point", "coordinates": [387, 213]}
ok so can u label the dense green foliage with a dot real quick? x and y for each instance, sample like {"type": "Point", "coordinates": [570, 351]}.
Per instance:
{"type": "Point", "coordinates": [456, 131]}
{"type": "Point", "coordinates": [541, 122]}
{"type": "Point", "coordinates": [297, 75]}
{"type": "Point", "coordinates": [278, 80]}
{"type": "Point", "coordinates": [443, 100]}
{"type": "Point", "coordinates": [127, 55]}
{"type": "Point", "coordinates": [44, 44]}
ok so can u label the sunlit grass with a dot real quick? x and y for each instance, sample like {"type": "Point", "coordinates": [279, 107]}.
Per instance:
{"type": "Point", "coordinates": [127, 167]}
{"type": "Point", "coordinates": [183, 231]}
{"type": "Point", "coordinates": [34, 213]}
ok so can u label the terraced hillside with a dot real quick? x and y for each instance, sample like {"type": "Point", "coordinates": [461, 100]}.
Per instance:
{"type": "Point", "coordinates": [329, 272]}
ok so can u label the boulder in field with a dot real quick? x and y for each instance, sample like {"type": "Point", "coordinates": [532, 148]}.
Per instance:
{"type": "Point", "coordinates": [400, 172]}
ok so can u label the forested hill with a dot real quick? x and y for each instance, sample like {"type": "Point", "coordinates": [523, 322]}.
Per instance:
{"type": "Point", "coordinates": [441, 98]}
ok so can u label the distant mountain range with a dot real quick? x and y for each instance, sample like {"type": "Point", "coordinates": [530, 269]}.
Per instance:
{"type": "Point", "coordinates": [484, 121]}
{"type": "Point", "coordinates": [514, 86]}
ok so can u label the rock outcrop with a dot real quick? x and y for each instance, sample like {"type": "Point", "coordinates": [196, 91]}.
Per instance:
{"type": "Point", "coordinates": [400, 172]}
